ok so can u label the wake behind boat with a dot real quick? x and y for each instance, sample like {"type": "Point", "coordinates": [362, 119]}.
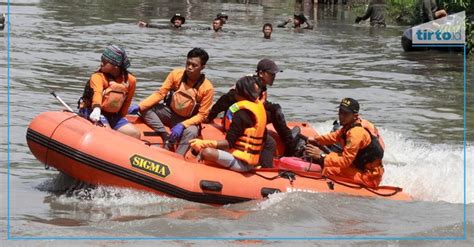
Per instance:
{"type": "Point", "coordinates": [101, 156]}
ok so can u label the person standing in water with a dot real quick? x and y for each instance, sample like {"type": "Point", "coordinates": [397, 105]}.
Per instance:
{"type": "Point", "coordinates": [376, 12]}
{"type": "Point", "coordinates": [429, 11]}
{"type": "Point", "coordinates": [267, 30]}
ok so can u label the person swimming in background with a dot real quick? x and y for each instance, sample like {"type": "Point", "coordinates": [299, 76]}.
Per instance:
{"type": "Point", "coordinates": [298, 20]}
{"type": "Point", "coordinates": [177, 22]}
{"type": "Point", "coordinates": [267, 30]}
{"type": "Point", "coordinates": [223, 16]}
{"type": "Point", "coordinates": [217, 25]}
{"type": "Point", "coordinates": [2, 21]}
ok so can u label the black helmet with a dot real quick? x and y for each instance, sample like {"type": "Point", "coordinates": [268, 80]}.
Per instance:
{"type": "Point", "coordinates": [178, 16]}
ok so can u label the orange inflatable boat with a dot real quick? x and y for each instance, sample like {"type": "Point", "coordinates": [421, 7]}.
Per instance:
{"type": "Point", "coordinates": [98, 155]}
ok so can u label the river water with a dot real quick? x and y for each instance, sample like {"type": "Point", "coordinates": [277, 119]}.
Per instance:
{"type": "Point", "coordinates": [416, 99]}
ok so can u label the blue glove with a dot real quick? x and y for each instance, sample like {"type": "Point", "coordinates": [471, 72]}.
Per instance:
{"type": "Point", "coordinates": [176, 132]}
{"type": "Point", "coordinates": [133, 109]}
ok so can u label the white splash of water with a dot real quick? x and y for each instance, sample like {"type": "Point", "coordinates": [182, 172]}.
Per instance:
{"type": "Point", "coordinates": [270, 201]}
{"type": "Point", "coordinates": [426, 172]}
{"type": "Point", "coordinates": [113, 196]}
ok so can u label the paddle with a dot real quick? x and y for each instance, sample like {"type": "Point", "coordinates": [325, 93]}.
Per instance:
{"type": "Point", "coordinates": [62, 102]}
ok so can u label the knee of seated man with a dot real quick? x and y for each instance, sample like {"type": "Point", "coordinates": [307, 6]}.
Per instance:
{"type": "Point", "coordinates": [191, 130]}
{"type": "Point", "coordinates": [207, 153]}
{"type": "Point", "coordinates": [136, 133]}
{"type": "Point", "coordinates": [270, 143]}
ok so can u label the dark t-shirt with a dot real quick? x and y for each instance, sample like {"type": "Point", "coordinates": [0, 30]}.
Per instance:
{"type": "Point", "coordinates": [428, 9]}
{"type": "Point", "coordinates": [376, 12]}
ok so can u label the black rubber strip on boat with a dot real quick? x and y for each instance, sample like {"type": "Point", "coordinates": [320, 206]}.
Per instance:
{"type": "Point", "coordinates": [130, 175]}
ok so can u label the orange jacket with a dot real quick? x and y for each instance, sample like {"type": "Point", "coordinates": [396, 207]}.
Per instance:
{"type": "Point", "coordinates": [249, 146]}
{"type": "Point", "coordinates": [205, 96]}
{"type": "Point", "coordinates": [341, 164]}
{"type": "Point", "coordinates": [99, 83]}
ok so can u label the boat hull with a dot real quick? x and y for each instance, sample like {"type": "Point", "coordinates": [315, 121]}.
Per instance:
{"type": "Point", "coordinates": [102, 156]}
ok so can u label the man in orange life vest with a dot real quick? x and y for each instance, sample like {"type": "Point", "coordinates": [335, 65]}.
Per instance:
{"type": "Point", "coordinates": [188, 96]}
{"type": "Point", "coordinates": [363, 148]}
{"type": "Point", "coordinates": [246, 144]}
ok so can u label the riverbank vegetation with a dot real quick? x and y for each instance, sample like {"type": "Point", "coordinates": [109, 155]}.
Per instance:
{"type": "Point", "coordinates": [407, 12]}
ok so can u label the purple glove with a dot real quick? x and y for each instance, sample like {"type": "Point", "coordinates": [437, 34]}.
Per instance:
{"type": "Point", "coordinates": [176, 132]}
{"type": "Point", "coordinates": [133, 109]}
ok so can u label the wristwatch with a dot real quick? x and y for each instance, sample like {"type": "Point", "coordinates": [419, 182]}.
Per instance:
{"type": "Point", "coordinates": [320, 161]}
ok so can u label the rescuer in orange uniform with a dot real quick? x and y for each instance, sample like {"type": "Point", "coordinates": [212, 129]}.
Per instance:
{"type": "Point", "coordinates": [363, 148]}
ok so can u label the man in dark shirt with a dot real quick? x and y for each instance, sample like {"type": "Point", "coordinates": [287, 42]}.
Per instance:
{"type": "Point", "coordinates": [429, 11]}
{"type": "Point", "coordinates": [224, 17]}
{"type": "Point", "coordinates": [266, 71]}
{"type": "Point", "coordinates": [298, 20]}
{"type": "Point", "coordinates": [2, 21]}
{"type": "Point", "coordinates": [219, 151]}
{"type": "Point", "coordinates": [376, 12]}
{"type": "Point", "coordinates": [176, 21]}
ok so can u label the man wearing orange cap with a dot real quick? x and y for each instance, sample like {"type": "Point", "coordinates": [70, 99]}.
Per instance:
{"type": "Point", "coordinates": [361, 158]}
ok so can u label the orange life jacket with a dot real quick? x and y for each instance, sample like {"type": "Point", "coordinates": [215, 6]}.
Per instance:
{"type": "Point", "coordinates": [373, 151]}
{"type": "Point", "coordinates": [248, 146]}
{"type": "Point", "coordinates": [114, 96]}
{"type": "Point", "coordinates": [183, 101]}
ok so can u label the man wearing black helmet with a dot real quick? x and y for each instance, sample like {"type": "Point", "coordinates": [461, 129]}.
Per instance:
{"type": "Point", "coordinates": [298, 20]}
{"type": "Point", "coordinates": [176, 21]}
{"type": "Point", "coordinates": [266, 71]}
{"type": "Point", "coordinates": [223, 16]}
